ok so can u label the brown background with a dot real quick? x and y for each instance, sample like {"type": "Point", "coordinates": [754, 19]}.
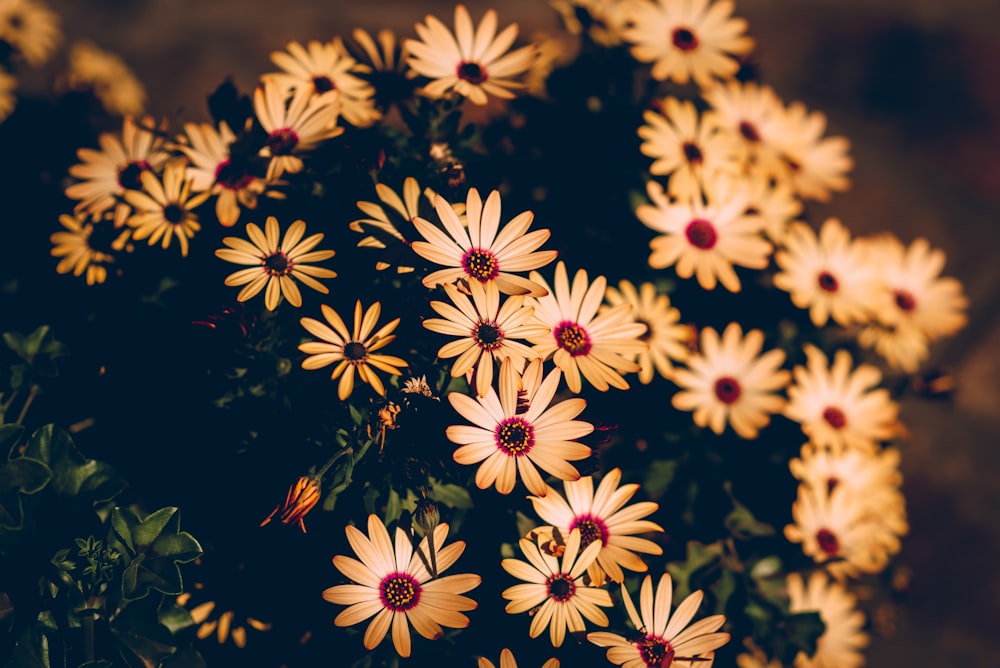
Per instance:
{"type": "Point", "coordinates": [912, 83]}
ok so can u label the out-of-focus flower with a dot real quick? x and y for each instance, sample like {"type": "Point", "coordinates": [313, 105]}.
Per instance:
{"type": "Point", "coordinates": [507, 661]}
{"type": "Point", "coordinates": [165, 209]}
{"type": "Point", "coordinates": [8, 100]}
{"type": "Point", "coordinates": [112, 82]}
{"type": "Point", "coordinates": [482, 251]}
{"type": "Point", "coordinates": [752, 114]}
{"type": "Point", "coordinates": [599, 20]}
{"type": "Point", "coordinates": [817, 165]}
{"type": "Point", "coordinates": [225, 625]}
{"type": "Point", "coordinates": [704, 240]}
{"type": "Point", "coordinates": [554, 51]}
{"type": "Point", "coordinates": [75, 248]}
{"type": "Point", "coordinates": [352, 351]}
{"type": "Point", "coordinates": [689, 148]}
{"type": "Point", "coordinates": [275, 264]}
{"type": "Point", "coordinates": [394, 586]}
{"type": "Point", "coordinates": [389, 74]}
{"type": "Point", "coordinates": [326, 66]}
{"type": "Point", "coordinates": [293, 126]}
{"type": "Point", "coordinates": [516, 430]}
{"type": "Point", "coordinates": [106, 174]}
{"type": "Point", "coordinates": [601, 346]}
{"type": "Point", "coordinates": [665, 639]}
{"type": "Point", "coordinates": [418, 386]}
{"type": "Point", "coordinates": [31, 28]}
{"type": "Point", "coordinates": [603, 517]}
{"type": "Point", "coordinates": [687, 40]}
{"type": "Point", "coordinates": [668, 340]}
{"type": "Point", "coordinates": [842, 641]}
{"type": "Point", "coordinates": [828, 274]}
{"type": "Point", "coordinates": [302, 497]}
{"type": "Point", "coordinates": [474, 62]}
{"type": "Point", "coordinates": [729, 381]}
{"type": "Point", "coordinates": [776, 205]}
{"type": "Point", "coordinates": [839, 406]}
{"type": "Point", "coordinates": [755, 657]}
{"type": "Point", "coordinates": [489, 332]}
{"type": "Point", "coordinates": [558, 586]}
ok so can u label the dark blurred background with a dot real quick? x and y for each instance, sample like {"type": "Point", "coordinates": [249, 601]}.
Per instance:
{"type": "Point", "coordinates": [912, 84]}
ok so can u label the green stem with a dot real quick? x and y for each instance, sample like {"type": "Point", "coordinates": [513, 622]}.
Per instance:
{"type": "Point", "coordinates": [330, 462]}
{"type": "Point", "coordinates": [88, 635]}
{"type": "Point", "coordinates": [27, 404]}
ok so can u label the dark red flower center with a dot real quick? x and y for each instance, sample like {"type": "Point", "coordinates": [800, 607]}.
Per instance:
{"type": "Point", "coordinates": [827, 282]}
{"type": "Point", "coordinates": [355, 352]}
{"type": "Point", "coordinates": [727, 389]}
{"type": "Point", "coordinates": [655, 652]}
{"type": "Point", "coordinates": [701, 234]}
{"type": "Point", "coordinates": [835, 417]}
{"type": "Point", "coordinates": [591, 529]}
{"type": "Point", "coordinates": [904, 300]}
{"type": "Point", "coordinates": [692, 153]}
{"type": "Point", "coordinates": [130, 176]}
{"type": "Point", "coordinates": [515, 436]}
{"type": "Point", "coordinates": [480, 264]}
{"type": "Point", "coordinates": [828, 542]}
{"type": "Point", "coordinates": [474, 73]}
{"type": "Point", "coordinates": [174, 213]}
{"type": "Point", "coordinates": [560, 587]}
{"type": "Point", "coordinates": [749, 131]}
{"type": "Point", "coordinates": [488, 336]}
{"type": "Point", "coordinates": [322, 84]}
{"type": "Point", "coordinates": [277, 264]}
{"type": "Point", "coordinates": [572, 338]}
{"type": "Point", "coordinates": [684, 39]}
{"type": "Point", "coordinates": [283, 141]}
{"type": "Point", "coordinates": [233, 174]}
{"type": "Point", "coordinates": [399, 592]}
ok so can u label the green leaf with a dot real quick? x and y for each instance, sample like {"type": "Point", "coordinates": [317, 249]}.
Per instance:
{"type": "Point", "coordinates": [24, 475]}
{"type": "Point", "coordinates": [10, 437]}
{"type": "Point", "coordinates": [99, 663]}
{"type": "Point", "coordinates": [185, 658]}
{"type": "Point", "coordinates": [37, 647]}
{"type": "Point", "coordinates": [393, 507]}
{"type": "Point", "coordinates": [143, 641]}
{"type": "Point", "coordinates": [155, 523]}
{"type": "Point", "coordinates": [450, 495]}
{"type": "Point", "coordinates": [804, 629]}
{"type": "Point", "coordinates": [72, 473]}
{"type": "Point", "coordinates": [699, 558]}
{"type": "Point", "coordinates": [658, 478]}
{"type": "Point", "coordinates": [174, 617]}
{"type": "Point", "coordinates": [153, 548]}
{"type": "Point", "coordinates": [722, 589]}
{"type": "Point", "coordinates": [743, 525]}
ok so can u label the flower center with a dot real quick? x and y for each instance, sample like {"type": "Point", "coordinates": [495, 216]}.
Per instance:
{"type": "Point", "coordinates": [355, 352]}
{"type": "Point", "coordinates": [701, 234]}
{"type": "Point", "coordinates": [283, 141]}
{"type": "Point", "coordinates": [560, 587]}
{"type": "Point", "coordinates": [233, 174]}
{"type": "Point", "coordinates": [684, 39]}
{"type": "Point", "coordinates": [323, 84]}
{"type": "Point", "coordinates": [727, 389]}
{"type": "Point", "coordinates": [591, 529]}
{"type": "Point", "coordinates": [831, 484]}
{"type": "Point", "coordinates": [277, 264]}
{"type": "Point", "coordinates": [655, 652]}
{"type": "Point", "coordinates": [692, 153]}
{"type": "Point", "coordinates": [828, 542]}
{"type": "Point", "coordinates": [648, 334]}
{"type": "Point", "coordinates": [515, 436]}
{"type": "Point", "coordinates": [129, 175]}
{"type": "Point", "coordinates": [904, 300]}
{"type": "Point", "coordinates": [399, 592]}
{"type": "Point", "coordinates": [572, 338]}
{"type": "Point", "coordinates": [474, 73]}
{"type": "Point", "coordinates": [488, 336]}
{"type": "Point", "coordinates": [480, 264]}
{"type": "Point", "coordinates": [749, 132]}
{"type": "Point", "coordinates": [174, 213]}
{"type": "Point", "coordinates": [827, 281]}
{"type": "Point", "coordinates": [835, 417]}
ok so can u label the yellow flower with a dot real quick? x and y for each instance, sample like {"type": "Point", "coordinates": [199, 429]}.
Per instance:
{"type": "Point", "coordinates": [302, 497]}
{"type": "Point", "coordinates": [163, 210]}
{"type": "Point", "coordinates": [507, 661]}
{"type": "Point", "coordinates": [293, 126]}
{"type": "Point", "coordinates": [687, 40]}
{"type": "Point", "coordinates": [818, 165]}
{"type": "Point", "coordinates": [112, 81]}
{"type": "Point", "coordinates": [474, 62]}
{"type": "Point", "coordinates": [8, 100]}
{"type": "Point", "coordinates": [275, 264]}
{"type": "Point", "coordinates": [394, 584]}
{"type": "Point", "coordinates": [352, 350]}
{"type": "Point", "coordinates": [31, 28]}
{"type": "Point", "coordinates": [75, 248]}
{"type": "Point", "coordinates": [728, 380]}
{"type": "Point", "coordinates": [664, 638]}
{"type": "Point", "coordinates": [842, 641]}
{"type": "Point", "coordinates": [558, 586]}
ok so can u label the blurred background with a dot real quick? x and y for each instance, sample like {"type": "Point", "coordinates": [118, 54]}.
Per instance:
{"type": "Point", "coordinates": [912, 84]}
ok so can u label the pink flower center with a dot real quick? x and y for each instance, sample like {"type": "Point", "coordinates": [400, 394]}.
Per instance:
{"type": "Point", "coordinates": [560, 587]}
{"type": "Point", "coordinates": [480, 264]}
{"type": "Point", "coordinates": [749, 131]}
{"type": "Point", "coordinates": [684, 39]}
{"type": "Point", "coordinates": [692, 153]}
{"type": "Point", "coordinates": [727, 389]}
{"type": "Point", "coordinates": [701, 234]}
{"type": "Point", "coordinates": [515, 436]}
{"type": "Point", "coordinates": [572, 338]}
{"type": "Point", "coordinates": [904, 300]}
{"type": "Point", "coordinates": [828, 542]}
{"type": "Point", "coordinates": [130, 176]}
{"type": "Point", "coordinates": [827, 282]}
{"type": "Point", "coordinates": [399, 592]}
{"type": "Point", "coordinates": [591, 529]}
{"type": "Point", "coordinates": [488, 336]}
{"type": "Point", "coordinates": [474, 73]}
{"type": "Point", "coordinates": [323, 83]}
{"type": "Point", "coordinates": [233, 174]}
{"type": "Point", "coordinates": [655, 652]}
{"type": "Point", "coordinates": [283, 141]}
{"type": "Point", "coordinates": [835, 417]}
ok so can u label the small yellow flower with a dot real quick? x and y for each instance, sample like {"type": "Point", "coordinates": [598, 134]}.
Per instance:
{"type": "Point", "coordinates": [165, 209]}
{"type": "Point", "coordinates": [302, 497]}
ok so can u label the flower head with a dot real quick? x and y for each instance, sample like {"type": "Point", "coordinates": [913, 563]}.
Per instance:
{"type": "Point", "coordinates": [111, 81]}
{"type": "Point", "coordinates": [604, 518]}
{"type": "Point", "coordinates": [274, 262]}
{"type": "Point", "coordinates": [507, 661]}
{"type": "Point", "coordinates": [601, 346]}
{"type": "Point", "coordinates": [482, 251]}
{"type": "Point", "coordinates": [352, 350]}
{"type": "Point", "coordinates": [8, 98]}
{"type": "Point", "coordinates": [558, 586]}
{"type": "Point", "coordinates": [385, 56]}
{"type": "Point", "coordinates": [817, 165]}
{"type": "Point", "coordinates": [293, 126]}
{"type": "Point", "coordinates": [729, 380]}
{"type": "Point", "coordinates": [842, 641]}
{"type": "Point", "coordinates": [472, 62]}
{"type": "Point", "coordinates": [76, 250]}
{"type": "Point", "coordinates": [302, 497]}
{"type": "Point", "coordinates": [165, 209]}
{"type": "Point", "coordinates": [516, 430]}
{"type": "Point", "coordinates": [394, 585]}
{"type": "Point", "coordinates": [664, 638]}
{"type": "Point", "coordinates": [31, 28]}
